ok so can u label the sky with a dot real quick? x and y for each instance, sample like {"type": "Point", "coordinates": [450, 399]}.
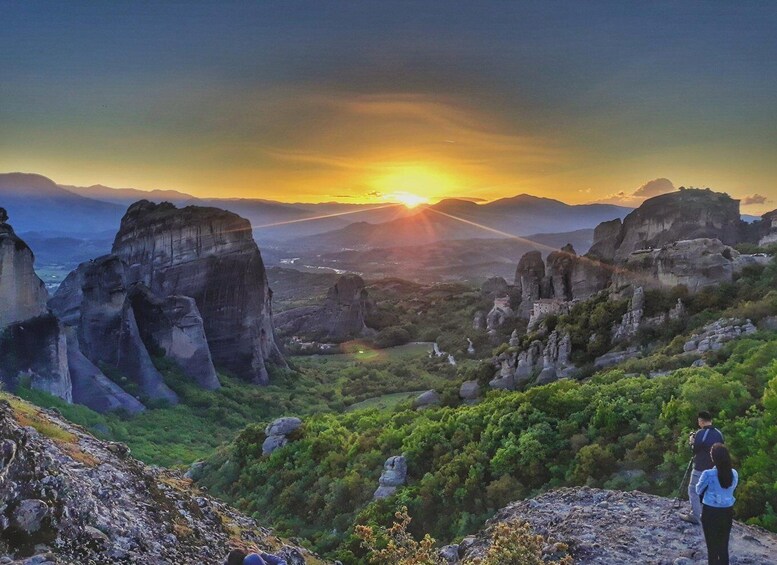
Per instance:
{"type": "Point", "coordinates": [374, 101]}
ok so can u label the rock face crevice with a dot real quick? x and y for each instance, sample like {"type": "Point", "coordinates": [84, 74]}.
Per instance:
{"type": "Point", "coordinates": [208, 255]}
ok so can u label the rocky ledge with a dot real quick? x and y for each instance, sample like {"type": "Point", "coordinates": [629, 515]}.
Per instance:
{"type": "Point", "coordinates": [607, 527]}
{"type": "Point", "coordinates": [66, 497]}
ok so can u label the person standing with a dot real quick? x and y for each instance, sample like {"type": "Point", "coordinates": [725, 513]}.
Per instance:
{"type": "Point", "coordinates": [701, 442]}
{"type": "Point", "coordinates": [716, 489]}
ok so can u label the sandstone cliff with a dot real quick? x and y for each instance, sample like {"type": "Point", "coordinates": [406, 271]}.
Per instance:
{"type": "Point", "coordinates": [33, 350]}
{"type": "Point", "coordinates": [66, 497]}
{"type": "Point", "coordinates": [94, 301]}
{"type": "Point", "coordinates": [209, 255]}
{"type": "Point", "coordinates": [682, 215]}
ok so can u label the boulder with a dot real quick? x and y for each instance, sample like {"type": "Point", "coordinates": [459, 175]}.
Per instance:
{"type": "Point", "coordinates": [209, 255]}
{"type": "Point", "coordinates": [427, 399]}
{"type": "Point", "coordinates": [393, 476]}
{"type": "Point", "coordinates": [607, 238]}
{"type": "Point", "coordinates": [278, 433]}
{"type": "Point", "coordinates": [29, 515]}
{"type": "Point", "coordinates": [469, 391]}
{"type": "Point", "coordinates": [499, 314]}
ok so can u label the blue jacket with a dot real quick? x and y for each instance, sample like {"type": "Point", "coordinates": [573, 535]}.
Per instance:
{"type": "Point", "coordinates": [717, 496]}
{"type": "Point", "coordinates": [702, 442]}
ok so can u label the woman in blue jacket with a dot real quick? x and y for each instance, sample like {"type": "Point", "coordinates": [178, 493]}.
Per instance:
{"type": "Point", "coordinates": [716, 489]}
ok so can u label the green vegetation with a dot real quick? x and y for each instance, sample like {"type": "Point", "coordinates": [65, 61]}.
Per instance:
{"type": "Point", "coordinates": [465, 463]}
{"type": "Point", "coordinates": [204, 420]}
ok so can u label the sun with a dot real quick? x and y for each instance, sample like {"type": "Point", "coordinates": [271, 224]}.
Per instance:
{"type": "Point", "coordinates": [412, 184]}
{"type": "Point", "coordinates": [409, 199]}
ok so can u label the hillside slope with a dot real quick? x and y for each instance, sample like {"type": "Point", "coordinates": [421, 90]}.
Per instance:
{"type": "Point", "coordinates": [608, 527]}
{"type": "Point", "coordinates": [81, 500]}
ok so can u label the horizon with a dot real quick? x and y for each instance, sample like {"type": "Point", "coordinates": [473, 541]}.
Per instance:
{"type": "Point", "coordinates": [303, 102]}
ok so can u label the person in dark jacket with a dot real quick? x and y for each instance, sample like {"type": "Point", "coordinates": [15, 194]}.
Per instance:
{"type": "Point", "coordinates": [717, 486]}
{"type": "Point", "coordinates": [263, 558]}
{"type": "Point", "coordinates": [235, 557]}
{"type": "Point", "coordinates": [701, 442]}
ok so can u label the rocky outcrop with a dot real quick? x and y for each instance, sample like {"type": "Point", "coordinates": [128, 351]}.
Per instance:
{"type": "Point", "coordinates": [547, 362]}
{"type": "Point", "coordinates": [600, 526]}
{"type": "Point", "coordinates": [664, 219]}
{"type": "Point", "coordinates": [66, 497]}
{"type": "Point", "coordinates": [715, 334]}
{"type": "Point", "coordinates": [695, 264]}
{"type": "Point", "coordinates": [209, 255]}
{"type": "Point", "coordinates": [174, 327]}
{"type": "Point", "coordinates": [394, 475]}
{"type": "Point", "coordinates": [22, 294]}
{"type": "Point", "coordinates": [612, 358]}
{"type": "Point", "coordinates": [634, 320]}
{"type": "Point", "coordinates": [33, 350]}
{"type": "Point", "coordinates": [339, 318]}
{"type": "Point", "coordinates": [529, 278]}
{"type": "Point", "coordinates": [278, 433]}
{"type": "Point", "coordinates": [94, 300]}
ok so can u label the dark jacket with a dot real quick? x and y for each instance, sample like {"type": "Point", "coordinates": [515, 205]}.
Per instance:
{"type": "Point", "coordinates": [702, 442]}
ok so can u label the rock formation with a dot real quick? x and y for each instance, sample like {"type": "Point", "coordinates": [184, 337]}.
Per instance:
{"type": "Point", "coordinates": [634, 320]}
{"type": "Point", "coordinates": [339, 318]}
{"type": "Point", "coordinates": [209, 255]}
{"type": "Point", "coordinates": [495, 287]}
{"type": "Point", "coordinates": [427, 400]}
{"type": "Point", "coordinates": [601, 526]}
{"type": "Point", "coordinates": [33, 349]}
{"type": "Point", "coordinates": [173, 325]}
{"type": "Point", "coordinates": [715, 334]}
{"type": "Point", "coordinates": [529, 277]}
{"type": "Point", "coordinates": [695, 264]}
{"type": "Point", "coordinates": [547, 361]}
{"type": "Point", "coordinates": [394, 475]}
{"type": "Point", "coordinates": [682, 215]}
{"type": "Point", "coordinates": [70, 498]}
{"type": "Point", "coordinates": [94, 300]}
{"type": "Point", "coordinates": [22, 294]}
{"type": "Point", "coordinates": [499, 314]}
{"type": "Point", "coordinates": [469, 391]}
{"type": "Point", "coordinates": [560, 268]}
{"type": "Point", "coordinates": [277, 433]}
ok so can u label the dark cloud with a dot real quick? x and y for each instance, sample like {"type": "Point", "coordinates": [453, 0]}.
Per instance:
{"type": "Point", "coordinates": [753, 199]}
{"type": "Point", "coordinates": [654, 188]}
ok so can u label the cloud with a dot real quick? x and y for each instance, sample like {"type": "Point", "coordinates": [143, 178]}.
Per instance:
{"type": "Point", "coordinates": [651, 188]}
{"type": "Point", "coordinates": [654, 188]}
{"type": "Point", "coordinates": [753, 199]}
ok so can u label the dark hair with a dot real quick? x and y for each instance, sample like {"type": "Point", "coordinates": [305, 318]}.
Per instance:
{"type": "Point", "coordinates": [236, 557]}
{"type": "Point", "coordinates": [722, 460]}
{"type": "Point", "coordinates": [706, 416]}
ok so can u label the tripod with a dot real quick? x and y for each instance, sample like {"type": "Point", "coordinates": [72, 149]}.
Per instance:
{"type": "Point", "coordinates": [682, 482]}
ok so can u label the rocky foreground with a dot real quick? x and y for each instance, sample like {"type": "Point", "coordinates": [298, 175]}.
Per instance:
{"type": "Point", "coordinates": [610, 527]}
{"type": "Point", "coordinates": [67, 497]}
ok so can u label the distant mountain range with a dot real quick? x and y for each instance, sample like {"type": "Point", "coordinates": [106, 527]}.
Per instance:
{"type": "Point", "coordinates": [36, 203]}
{"type": "Point", "coordinates": [454, 219]}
